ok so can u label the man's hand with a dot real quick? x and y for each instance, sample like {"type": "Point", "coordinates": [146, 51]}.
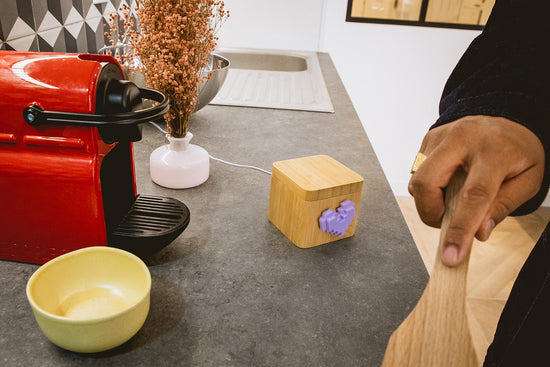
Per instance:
{"type": "Point", "coordinates": [505, 165]}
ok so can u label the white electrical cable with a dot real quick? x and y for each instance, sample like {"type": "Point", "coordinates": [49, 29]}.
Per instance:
{"type": "Point", "coordinates": [158, 127]}
{"type": "Point", "coordinates": [240, 165]}
{"type": "Point", "coordinates": [218, 159]}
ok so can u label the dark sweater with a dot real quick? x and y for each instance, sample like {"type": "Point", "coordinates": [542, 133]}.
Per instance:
{"type": "Point", "coordinates": [506, 72]}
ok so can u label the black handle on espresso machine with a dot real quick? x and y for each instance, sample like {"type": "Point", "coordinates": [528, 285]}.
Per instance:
{"type": "Point", "coordinates": [36, 116]}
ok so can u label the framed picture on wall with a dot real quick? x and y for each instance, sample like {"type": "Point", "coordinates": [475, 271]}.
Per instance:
{"type": "Point", "coordinates": [464, 14]}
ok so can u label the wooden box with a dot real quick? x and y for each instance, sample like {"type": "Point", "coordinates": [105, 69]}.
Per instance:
{"type": "Point", "coordinates": [302, 189]}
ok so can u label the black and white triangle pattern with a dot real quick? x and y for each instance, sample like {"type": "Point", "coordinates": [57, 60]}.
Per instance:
{"type": "Point", "coordinates": [56, 25]}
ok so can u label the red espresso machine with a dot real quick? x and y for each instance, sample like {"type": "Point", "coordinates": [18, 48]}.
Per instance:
{"type": "Point", "coordinates": [67, 178]}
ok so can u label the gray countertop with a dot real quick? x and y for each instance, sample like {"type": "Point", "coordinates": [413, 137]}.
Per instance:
{"type": "Point", "coordinates": [234, 291]}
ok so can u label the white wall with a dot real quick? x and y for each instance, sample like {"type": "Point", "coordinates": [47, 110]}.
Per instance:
{"type": "Point", "coordinates": [273, 24]}
{"type": "Point", "coordinates": [393, 74]}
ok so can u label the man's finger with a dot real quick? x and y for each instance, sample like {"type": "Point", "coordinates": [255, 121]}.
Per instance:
{"type": "Point", "coordinates": [427, 184]}
{"type": "Point", "coordinates": [510, 196]}
{"type": "Point", "coordinates": [474, 201]}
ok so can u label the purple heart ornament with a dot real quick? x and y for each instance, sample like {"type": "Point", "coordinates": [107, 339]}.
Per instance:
{"type": "Point", "coordinates": [337, 222]}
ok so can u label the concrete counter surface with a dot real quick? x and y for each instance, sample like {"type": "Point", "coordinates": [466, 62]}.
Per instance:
{"type": "Point", "coordinates": [234, 291]}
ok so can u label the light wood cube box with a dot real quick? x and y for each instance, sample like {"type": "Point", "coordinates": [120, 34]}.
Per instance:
{"type": "Point", "coordinates": [302, 188]}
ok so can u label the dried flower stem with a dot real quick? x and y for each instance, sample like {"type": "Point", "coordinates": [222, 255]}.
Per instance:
{"type": "Point", "coordinates": [174, 40]}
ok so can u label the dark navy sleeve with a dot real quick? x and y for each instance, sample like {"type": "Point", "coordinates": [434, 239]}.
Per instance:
{"type": "Point", "coordinates": [506, 72]}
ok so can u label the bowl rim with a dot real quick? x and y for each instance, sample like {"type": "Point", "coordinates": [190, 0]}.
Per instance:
{"type": "Point", "coordinates": [215, 54]}
{"type": "Point", "coordinates": [48, 264]}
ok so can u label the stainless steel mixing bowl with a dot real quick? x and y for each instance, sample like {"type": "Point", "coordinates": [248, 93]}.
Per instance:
{"type": "Point", "coordinates": [218, 66]}
{"type": "Point", "coordinates": [209, 88]}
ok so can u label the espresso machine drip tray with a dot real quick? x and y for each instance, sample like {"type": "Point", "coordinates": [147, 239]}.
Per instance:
{"type": "Point", "coordinates": [151, 223]}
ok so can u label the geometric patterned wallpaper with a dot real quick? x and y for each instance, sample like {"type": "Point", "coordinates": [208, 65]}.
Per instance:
{"type": "Point", "coordinates": [55, 25]}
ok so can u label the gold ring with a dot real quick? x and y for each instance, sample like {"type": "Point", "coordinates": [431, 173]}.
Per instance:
{"type": "Point", "coordinates": [418, 160]}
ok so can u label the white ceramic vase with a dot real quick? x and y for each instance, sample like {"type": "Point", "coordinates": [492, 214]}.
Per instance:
{"type": "Point", "coordinates": [179, 165]}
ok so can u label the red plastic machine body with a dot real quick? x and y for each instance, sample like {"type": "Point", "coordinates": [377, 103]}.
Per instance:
{"type": "Point", "coordinates": [67, 177]}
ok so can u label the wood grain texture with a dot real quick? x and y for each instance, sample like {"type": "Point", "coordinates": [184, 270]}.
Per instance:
{"type": "Point", "coordinates": [317, 177]}
{"type": "Point", "coordinates": [302, 188]}
{"type": "Point", "coordinates": [436, 333]}
{"type": "Point", "coordinates": [493, 266]}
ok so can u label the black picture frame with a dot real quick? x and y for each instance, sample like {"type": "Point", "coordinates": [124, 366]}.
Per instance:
{"type": "Point", "coordinates": [421, 22]}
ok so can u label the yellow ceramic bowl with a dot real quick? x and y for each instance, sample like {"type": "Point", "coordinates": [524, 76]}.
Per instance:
{"type": "Point", "coordinates": [92, 299]}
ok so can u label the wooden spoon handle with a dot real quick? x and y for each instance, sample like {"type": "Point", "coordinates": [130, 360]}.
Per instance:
{"type": "Point", "coordinates": [436, 332]}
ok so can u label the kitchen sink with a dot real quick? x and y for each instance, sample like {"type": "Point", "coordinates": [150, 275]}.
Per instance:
{"type": "Point", "coordinates": [274, 79]}
{"type": "Point", "coordinates": [266, 62]}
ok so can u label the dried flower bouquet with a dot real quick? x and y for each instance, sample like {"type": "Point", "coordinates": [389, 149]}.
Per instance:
{"type": "Point", "coordinates": [173, 40]}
